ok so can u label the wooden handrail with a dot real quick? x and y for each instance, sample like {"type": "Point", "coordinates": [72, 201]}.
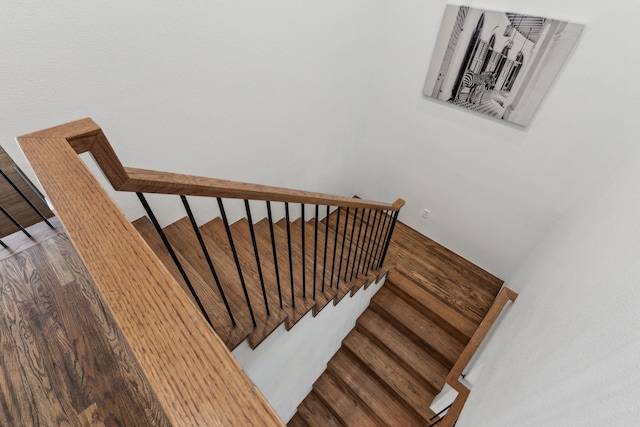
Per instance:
{"type": "Point", "coordinates": [88, 137]}
{"type": "Point", "coordinates": [453, 378]}
{"type": "Point", "coordinates": [196, 379]}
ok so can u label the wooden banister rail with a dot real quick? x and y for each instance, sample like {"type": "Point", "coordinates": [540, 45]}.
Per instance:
{"type": "Point", "coordinates": [453, 378]}
{"type": "Point", "coordinates": [196, 379]}
{"type": "Point", "coordinates": [88, 137]}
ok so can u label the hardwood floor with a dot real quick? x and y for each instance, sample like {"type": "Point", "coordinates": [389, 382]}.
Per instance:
{"type": "Point", "coordinates": [63, 360]}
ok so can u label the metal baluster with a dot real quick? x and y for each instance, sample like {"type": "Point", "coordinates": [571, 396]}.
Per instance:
{"type": "Point", "coordinates": [438, 414]}
{"type": "Point", "coordinates": [372, 236]}
{"type": "Point", "coordinates": [304, 267]}
{"type": "Point", "coordinates": [379, 239]}
{"type": "Point", "coordinates": [364, 238]}
{"type": "Point", "coordinates": [315, 251]}
{"type": "Point", "coordinates": [386, 246]}
{"type": "Point", "coordinates": [4, 245]}
{"type": "Point", "coordinates": [353, 228]}
{"type": "Point", "coordinates": [235, 258]}
{"type": "Point", "coordinates": [257, 255]}
{"type": "Point", "coordinates": [173, 255]}
{"type": "Point", "coordinates": [326, 242]}
{"type": "Point", "coordinates": [286, 212]}
{"type": "Point", "coordinates": [205, 251]}
{"type": "Point", "coordinates": [335, 244]}
{"type": "Point", "coordinates": [15, 187]}
{"type": "Point", "coordinates": [15, 222]}
{"type": "Point", "coordinates": [344, 238]}
{"type": "Point", "coordinates": [275, 256]}
{"type": "Point", "coordinates": [377, 220]}
{"type": "Point", "coordinates": [357, 246]}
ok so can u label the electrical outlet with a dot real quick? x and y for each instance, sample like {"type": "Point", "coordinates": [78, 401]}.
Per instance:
{"type": "Point", "coordinates": [425, 213]}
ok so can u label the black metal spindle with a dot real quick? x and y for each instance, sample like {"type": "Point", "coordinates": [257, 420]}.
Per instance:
{"type": "Point", "coordinates": [371, 243]}
{"type": "Point", "coordinates": [286, 212]}
{"type": "Point", "coordinates": [236, 259]}
{"type": "Point", "coordinates": [353, 229]}
{"type": "Point", "coordinates": [326, 242]}
{"type": "Point", "coordinates": [379, 239]}
{"type": "Point", "coordinates": [173, 255]}
{"type": "Point", "coordinates": [25, 198]}
{"type": "Point", "coordinates": [247, 208]}
{"type": "Point", "coordinates": [344, 238]}
{"type": "Point", "coordinates": [315, 251]}
{"type": "Point", "coordinates": [15, 222]}
{"type": "Point", "coordinates": [4, 245]}
{"type": "Point", "coordinates": [363, 251]}
{"type": "Point", "coordinates": [354, 268]}
{"type": "Point", "coordinates": [275, 256]}
{"type": "Point", "coordinates": [304, 267]}
{"type": "Point", "coordinates": [205, 251]}
{"type": "Point", "coordinates": [386, 246]}
{"type": "Point", "coordinates": [335, 245]}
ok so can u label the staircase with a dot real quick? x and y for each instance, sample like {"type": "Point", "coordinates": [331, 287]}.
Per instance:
{"type": "Point", "coordinates": [346, 270]}
{"type": "Point", "coordinates": [396, 360]}
{"type": "Point", "coordinates": [247, 277]}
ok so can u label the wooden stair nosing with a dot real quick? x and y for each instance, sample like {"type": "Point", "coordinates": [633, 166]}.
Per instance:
{"type": "Point", "coordinates": [389, 408]}
{"type": "Point", "coordinates": [422, 300]}
{"type": "Point", "coordinates": [341, 402]}
{"type": "Point", "coordinates": [470, 303]}
{"type": "Point", "coordinates": [297, 421]}
{"type": "Point", "coordinates": [411, 238]}
{"type": "Point", "coordinates": [209, 297]}
{"type": "Point", "coordinates": [315, 412]}
{"type": "Point", "coordinates": [214, 234]}
{"type": "Point", "coordinates": [403, 349]}
{"type": "Point", "coordinates": [414, 391]}
{"type": "Point", "coordinates": [405, 318]}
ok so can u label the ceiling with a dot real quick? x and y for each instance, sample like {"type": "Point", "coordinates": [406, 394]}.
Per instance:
{"type": "Point", "coordinates": [527, 25]}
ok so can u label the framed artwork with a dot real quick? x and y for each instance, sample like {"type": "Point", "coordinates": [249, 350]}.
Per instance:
{"type": "Point", "coordinates": [498, 63]}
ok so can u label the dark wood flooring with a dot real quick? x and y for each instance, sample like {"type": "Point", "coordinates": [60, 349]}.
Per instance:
{"type": "Point", "coordinates": [63, 360]}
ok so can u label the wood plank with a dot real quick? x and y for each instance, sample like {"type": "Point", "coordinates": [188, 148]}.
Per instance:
{"type": "Point", "coordinates": [184, 242]}
{"type": "Point", "coordinates": [343, 404]}
{"type": "Point", "coordinates": [183, 361]}
{"type": "Point", "coordinates": [315, 412]}
{"type": "Point", "coordinates": [416, 393]}
{"type": "Point", "coordinates": [215, 233]}
{"type": "Point", "coordinates": [297, 421]}
{"type": "Point", "coordinates": [421, 299]}
{"type": "Point", "coordinates": [387, 406]}
{"type": "Point", "coordinates": [403, 349]}
{"type": "Point", "coordinates": [18, 241]}
{"type": "Point", "coordinates": [410, 321]}
{"type": "Point", "coordinates": [63, 358]}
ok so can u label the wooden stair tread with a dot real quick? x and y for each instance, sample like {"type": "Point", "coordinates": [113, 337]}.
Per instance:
{"type": "Point", "coordinates": [470, 302]}
{"type": "Point", "coordinates": [386, 405]}
{"type": "Point", "coordinates": [209, 297]}
{"type": "Point", "coordinates": [403, 348]}
{"type": "Point", "coordinates": [183, 240]}
{"type": "Point", "coordinates": [409, 320]}
{"type": "Point", "coordinates": [421, 299]}
{"type": "Point", "coordinates": [302, 305]}
{"type": "Point", "coordinates": [316, 413]}
{"type": "Point", "coordinates": [415, 392]}
{"type": "Point", "coordinates": [297, 421]}
{"type": "Point", "coordinates": [342, 403]}
{"type": "Point", "coordinates": [408, 237]}
{"type": "Point", "coordinates": [214, 233]}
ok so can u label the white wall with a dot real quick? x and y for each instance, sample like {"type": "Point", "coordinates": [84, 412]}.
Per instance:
{"type": "Point", "coordinates": [566, 353]}
{"type": "Point", "coordinates": [494, 189]}
{"type": "Point", "coordinates": [268, 92]}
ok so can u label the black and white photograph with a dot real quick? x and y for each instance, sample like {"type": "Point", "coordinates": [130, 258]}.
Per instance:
{"type": "Point", "coordinates": [498, 63]}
